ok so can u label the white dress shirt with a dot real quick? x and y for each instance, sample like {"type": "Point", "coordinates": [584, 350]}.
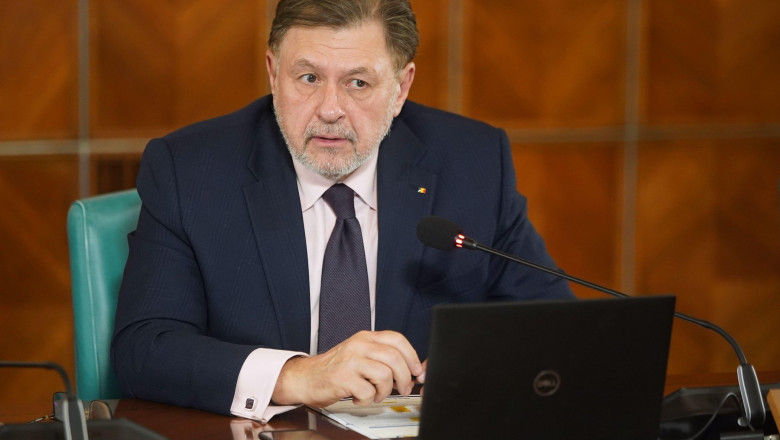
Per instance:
{"type": "Point", "coordinates": [258, 375]}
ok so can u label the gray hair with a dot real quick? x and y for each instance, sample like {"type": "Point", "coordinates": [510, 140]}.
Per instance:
{"type": "Point", "coordinates": [396, 17]}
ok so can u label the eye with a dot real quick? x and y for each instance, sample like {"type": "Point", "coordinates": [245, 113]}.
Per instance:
{"type": "Point", "coordinates": [358, 83]}
{"type": "Point", "coordinates": [309, 78]}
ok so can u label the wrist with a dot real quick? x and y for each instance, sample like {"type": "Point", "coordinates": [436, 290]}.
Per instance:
{"type": "Point", "coordinates": [286, 391]}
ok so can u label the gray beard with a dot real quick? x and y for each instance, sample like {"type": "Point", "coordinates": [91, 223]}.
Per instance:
{"type": "Point", "coordinates": [334, 170]}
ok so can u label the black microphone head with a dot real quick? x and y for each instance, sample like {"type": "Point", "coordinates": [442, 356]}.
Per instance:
{"type": "Point", "coordinates": [438, 232]}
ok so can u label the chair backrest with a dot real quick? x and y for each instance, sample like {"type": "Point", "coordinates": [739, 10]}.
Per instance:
{"type": "Point", "coordinates": [97, 241]}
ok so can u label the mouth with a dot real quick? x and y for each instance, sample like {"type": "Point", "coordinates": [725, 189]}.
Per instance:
{"type": "Point", "coordinates": [335, 137]}
{"type": "Point", "coordinates": [329, 141]}
{"type": "Point", "coordinates": [328, 138]}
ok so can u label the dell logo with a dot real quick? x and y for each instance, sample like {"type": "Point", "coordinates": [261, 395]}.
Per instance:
{"type": "Point", "coordinates": [546, 383]}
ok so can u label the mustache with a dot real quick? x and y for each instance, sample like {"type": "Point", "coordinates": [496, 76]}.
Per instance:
{"type": "Point", "coordinates": [329, 130]}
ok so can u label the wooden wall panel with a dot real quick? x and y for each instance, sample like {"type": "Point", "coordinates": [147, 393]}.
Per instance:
{"type": "Point", "coordinates": [38, 59]}
{"type": "Point", "coordinates": [542, 64]}
{"type": "Point", "coordinates": [432, 76]}
{"type": "Point", "coordinates": [36, 321]}
{"type": "Point", "coordinates": [711, 61]}
{"type": "Point", "coordinates": [574, 196]}
{"type": "Point", "coordinates": [159, 65]}
{"type": "Point", "coordinates": [709, 232]}
{"type": "Point", "coordinates": [113, 172]}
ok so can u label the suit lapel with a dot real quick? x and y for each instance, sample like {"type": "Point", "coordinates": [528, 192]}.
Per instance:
{"type": "Point", "coordinates": [405, 194]}
{"type": "Point", "coordinates": [275, 212]}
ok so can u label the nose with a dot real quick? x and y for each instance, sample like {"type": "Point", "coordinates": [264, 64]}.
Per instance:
{"type": "Point", "coordinates": [330, 107]}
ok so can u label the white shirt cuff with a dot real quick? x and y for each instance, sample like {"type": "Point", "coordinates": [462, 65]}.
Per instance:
{"type": "Point", "coordinates": [256, 382]}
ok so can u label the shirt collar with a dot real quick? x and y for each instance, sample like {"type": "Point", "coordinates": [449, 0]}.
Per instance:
{"type": "Point", "coordinates": [311, 185]}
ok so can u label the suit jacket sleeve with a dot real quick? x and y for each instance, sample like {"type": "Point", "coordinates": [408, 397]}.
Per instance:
{"type": "Point", "coordinates": [475, 187]}
{"type": "Point", "coordinates": [468, 174]}
{"type": "Point", "coordinates": [516, 234]}
{"type": "Point", "coordinates": [160, 349]}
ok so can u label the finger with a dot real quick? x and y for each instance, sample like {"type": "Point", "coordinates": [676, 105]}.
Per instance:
{"type": "Point", "coordinates": [402, 345]}
{"type": "Point", "coordinates": [363, 379]}
{"type": "Point", "coordinates": [388, 348]}
{"type": "Point", "coordinates": [383, 388]}
{"type": "Point", "coordinates": [380, 376]}
{"type": "Point", "coordinates": [393, 359]}
{"type": "Point", "coordinates": [421, 377]}
{"type": "Point", "coordinates": [363, 392]}
{"type": "Point", "coordinates": [366, 365]}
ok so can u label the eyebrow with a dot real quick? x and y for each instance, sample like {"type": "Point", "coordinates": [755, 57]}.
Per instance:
{"type": "Point", "coordinates": [303, 63]}
{"type": "Point", "coordinates": [359, 70]}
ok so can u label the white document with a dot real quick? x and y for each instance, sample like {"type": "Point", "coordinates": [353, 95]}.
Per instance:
{"type": "Point", "coordinates": [394, 417]}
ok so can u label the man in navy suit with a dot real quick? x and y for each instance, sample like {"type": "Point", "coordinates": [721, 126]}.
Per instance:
{"type": "Point", "coordinates": [219, 306]}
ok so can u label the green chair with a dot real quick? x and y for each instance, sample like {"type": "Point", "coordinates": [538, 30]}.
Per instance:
{"type": "Point", "coordinates": [97, 241]}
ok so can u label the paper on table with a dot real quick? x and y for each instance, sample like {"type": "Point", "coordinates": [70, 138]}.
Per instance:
{"type": "Point", "coordinates": [394, 417]}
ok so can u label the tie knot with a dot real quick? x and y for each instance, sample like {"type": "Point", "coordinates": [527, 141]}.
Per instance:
{"type": "Point", "coordinates": [341, 199]}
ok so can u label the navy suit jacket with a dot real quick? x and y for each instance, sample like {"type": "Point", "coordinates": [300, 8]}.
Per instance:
{"type": "Point", "coordinates": [218, 265]}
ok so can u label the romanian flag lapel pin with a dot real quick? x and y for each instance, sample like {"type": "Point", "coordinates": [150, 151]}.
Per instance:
{"type": "Point", "coordinates": [422, 190]}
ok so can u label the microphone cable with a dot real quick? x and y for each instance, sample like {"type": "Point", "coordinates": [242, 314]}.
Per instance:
{"type": "Point", "coordinates": [443, 234]}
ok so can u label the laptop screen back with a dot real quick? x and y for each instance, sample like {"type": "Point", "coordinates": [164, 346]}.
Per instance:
{"type": "Point", "coordinates": [585, 369]}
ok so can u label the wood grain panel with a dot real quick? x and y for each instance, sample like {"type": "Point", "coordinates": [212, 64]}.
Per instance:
{"type": "Point", "coordinates": [574, 200]}
{"type": "Point", "coordinates": [709, 232]}
{"type": "Point", "coordinates": [431, 79]}
{"type": "Point", "coordinates": [711, 61]}
{"type": "Point", "coordinates": [158, 65]}
{"type": "Point", "coordinates": [38, 77]}
{"type": "Point", "coordinates": [113, 172]}
{"type": "Point", "coordinates": [36, 320]}
{"type": "Point", "coordinates": [542, 64]}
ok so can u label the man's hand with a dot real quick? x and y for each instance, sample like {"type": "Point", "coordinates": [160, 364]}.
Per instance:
{"type": "Point", "coordinates": [366, 367]}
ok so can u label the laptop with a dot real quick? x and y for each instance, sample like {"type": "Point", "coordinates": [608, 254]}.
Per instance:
{"type": "Point", "coordinates": [558, 370]}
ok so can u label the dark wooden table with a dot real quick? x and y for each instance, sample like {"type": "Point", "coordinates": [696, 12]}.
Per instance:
{"type": "Point", "coordinates": [190, 424]}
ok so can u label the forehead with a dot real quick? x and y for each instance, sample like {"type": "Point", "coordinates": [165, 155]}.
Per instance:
{"type": "Point", "coordinates": [349, 47]}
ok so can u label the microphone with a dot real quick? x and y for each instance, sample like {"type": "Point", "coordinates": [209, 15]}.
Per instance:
{"type": "Point", "coordinates": [442, 234]}
{"type": "Point", "coordinates": [71, 413]}
{"type": "Point", "coordinates": [74, 423]}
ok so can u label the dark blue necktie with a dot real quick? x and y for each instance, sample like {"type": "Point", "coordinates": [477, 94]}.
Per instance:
{"type": "Point", "coordinates": [344, 303]}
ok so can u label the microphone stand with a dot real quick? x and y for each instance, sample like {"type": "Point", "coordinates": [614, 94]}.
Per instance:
{"type": "Point", "coordinates": [74, 423]}
{"type": "Point", "coordinates": [754, 412]}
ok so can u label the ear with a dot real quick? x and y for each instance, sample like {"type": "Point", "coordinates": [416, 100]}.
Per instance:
{"type": "Point", "coordinates": [405, 79]}
{"type": "Point", "coordinates": [272, 67]}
